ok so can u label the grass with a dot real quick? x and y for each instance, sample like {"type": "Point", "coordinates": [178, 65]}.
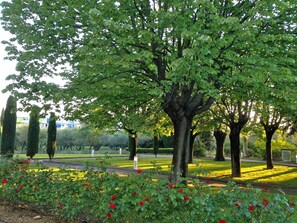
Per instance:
{"type": "Point", "coordinates": [251, 172]}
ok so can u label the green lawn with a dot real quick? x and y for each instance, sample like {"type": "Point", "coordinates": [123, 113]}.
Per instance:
{"type": "Point", "coordinates": [251, 172]}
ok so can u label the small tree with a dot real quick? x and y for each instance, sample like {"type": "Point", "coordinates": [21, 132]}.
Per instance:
{"type": "Point", "coordinates": [51, 136]}
{"type": "Point", "coordinates": [33, 133]}
{"type": "Point", "coordinates": [9, 128]}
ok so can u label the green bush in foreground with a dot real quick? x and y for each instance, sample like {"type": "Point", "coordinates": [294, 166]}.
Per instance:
{"type": "Point", "coordinates": [106, 197]}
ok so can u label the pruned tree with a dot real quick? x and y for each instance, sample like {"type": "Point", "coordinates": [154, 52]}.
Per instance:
{"type": "Point", "coordinates": [177, 52]}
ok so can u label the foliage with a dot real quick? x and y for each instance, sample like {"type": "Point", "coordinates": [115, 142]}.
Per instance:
{"type": "Point", "coordinates": [33, 133]}
{"type": "Point", "coordinates": [9, 128]}
{"type": "Point", "coordinates": [105, 197]}
{"type": "Point", "coordinates": [277, 146]}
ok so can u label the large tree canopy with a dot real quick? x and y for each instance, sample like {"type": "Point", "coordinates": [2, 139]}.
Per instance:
{"type": "Point", "coordinates": [178, 52]}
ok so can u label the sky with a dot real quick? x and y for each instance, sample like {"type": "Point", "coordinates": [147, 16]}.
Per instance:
{"type": "Point", "coordinates": [6, 67]}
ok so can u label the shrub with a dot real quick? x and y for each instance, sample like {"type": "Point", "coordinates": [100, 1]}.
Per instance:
{"type": "Point", "coordinates": [106, 197]}
{"type": "Point", "coordinates": [277, 146]}
{"type": "Point", "coordinates": [151, 150]}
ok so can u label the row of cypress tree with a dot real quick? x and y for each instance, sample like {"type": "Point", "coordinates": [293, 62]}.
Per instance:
{"type": "Point", "coordinates": [8, 123]}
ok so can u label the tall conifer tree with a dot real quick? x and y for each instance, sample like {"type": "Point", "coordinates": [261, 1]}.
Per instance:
{"type": "Point", "coordinates": [33, 133]}
{"type": "Point", "coordinates": [51, 136]}
{"type": "Point", "coordinates": [9, 128]}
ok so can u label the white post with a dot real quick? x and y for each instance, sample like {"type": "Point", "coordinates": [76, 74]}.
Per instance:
{"type": "Point", "coordinates": [135, 162]}
{"type": "Point", "coordinates": [120, 151]}
{"type": "Point", "coordinates": [93, 152]}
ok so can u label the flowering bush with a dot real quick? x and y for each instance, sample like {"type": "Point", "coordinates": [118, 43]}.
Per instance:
{"type": "Point", "coordinates": [107, 197]}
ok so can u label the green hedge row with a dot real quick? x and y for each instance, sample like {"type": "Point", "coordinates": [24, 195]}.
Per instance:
{"type": "Point", "coordinates": [151, 150]}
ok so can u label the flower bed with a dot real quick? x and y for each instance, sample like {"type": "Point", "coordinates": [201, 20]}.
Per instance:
{"type": "Point", "coordinates": [107, 197]}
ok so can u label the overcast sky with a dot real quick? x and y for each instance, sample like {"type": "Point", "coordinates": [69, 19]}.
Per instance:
{"type": "Point", "coordinates": [6, 67]}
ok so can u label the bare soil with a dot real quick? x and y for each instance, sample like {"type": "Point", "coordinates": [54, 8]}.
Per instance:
{"type": "Point", "coordinates": [21, 213]}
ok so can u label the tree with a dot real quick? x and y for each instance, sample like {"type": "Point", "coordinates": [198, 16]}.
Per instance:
{"type": "Point", "coordinates": [51, 136]}
{"type": "Point", "coordinates": [9, 128]}
{"type": "Point", "coordinates": [178, 52]}
{"type": "Point", "coordinates": [33, 133]}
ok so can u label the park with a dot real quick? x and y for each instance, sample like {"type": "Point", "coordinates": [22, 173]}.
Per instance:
{"type": "Point", "coordinates": [187, 110]}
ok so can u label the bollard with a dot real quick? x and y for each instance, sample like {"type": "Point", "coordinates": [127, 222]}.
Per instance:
{"type": "Point", "coordinates": [120, 151]}
{"type": "Point", "coordinates": [93, 152]}
{"type": "Point", "coordinates": [135, 162]}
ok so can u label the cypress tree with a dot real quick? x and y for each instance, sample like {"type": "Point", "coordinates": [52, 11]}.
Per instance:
{"type": "Point", "coordinates": [9, 128]}
{"type": "Point", "coordinates": [33, 133]}
{"type": "Point", "coordinates": [51, 136]}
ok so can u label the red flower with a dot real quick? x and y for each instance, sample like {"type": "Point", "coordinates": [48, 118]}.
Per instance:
{"type": "Point", "coordinates": [147, 199]}
{"type": "Point", "coordinates": [251, 207]}
{"type": "Point", "coordinates": [208, 181]}
{"type": "Point", "coordinates": [237, 204]}
{"type": "Point", "coordinates": [87, 185]}
{"type": "Point", "coordinates": [4, 181]}
{"type": "Point", "coordinates": [108, 215]}
{"type": "Point", "coordinates": [60, 205]}
{"type": "Point", "coordinates": [186, 198]}
{"type": "Point", "coordinates": [112, 205]}
{"type": "Point", "coordinates": [265, 202]}
{"type": "Point", "coordinates": [139, 171]}
{"type": "Point", "coordinates": [35, 188]}
{"type": "Point", "coordinates": [180, 190]}
{"type": "Point", "coordinates": [222, 221]}
{"type": "Point", "coordinates": [141, 203]}
{"type": "Point", "coordinates": [113, 197]}
{"type": "Point", "coordinates": [134, 193]}
{"type": "Point", "coordinates": [17, 191]}
{"type": "Point", "coordinates": [171, 186]}
{"type": "Point", "coordinates": [21, 186]}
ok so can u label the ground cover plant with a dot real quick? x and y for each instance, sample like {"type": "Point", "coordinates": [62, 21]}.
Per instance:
{"type": "Point", "coordinates": [251, 171]}
{"type": "Point", "coordinates": [99, 196]}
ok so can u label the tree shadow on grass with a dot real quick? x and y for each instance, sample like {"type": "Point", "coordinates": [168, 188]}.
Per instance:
{"type": "Point", "coordinates": [274, 175]}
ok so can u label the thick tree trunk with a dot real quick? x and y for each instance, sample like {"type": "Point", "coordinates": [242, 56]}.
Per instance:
{"type": "Point", "coordinates": [269, 162]}
{"type": "Point", "coordinates": [132, 144]}
{"type": "Point", "coordinates": [245, 146]}
{"type": "Point", "coordinates": [220, 137]}
{"type": "Point", "coordinates": [181, 149]}
{"type": "Point", "coordinates": [235, 150]}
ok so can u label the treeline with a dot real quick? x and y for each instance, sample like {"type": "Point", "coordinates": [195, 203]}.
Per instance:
{"type": "Point", "coordinates": [87, 138]}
